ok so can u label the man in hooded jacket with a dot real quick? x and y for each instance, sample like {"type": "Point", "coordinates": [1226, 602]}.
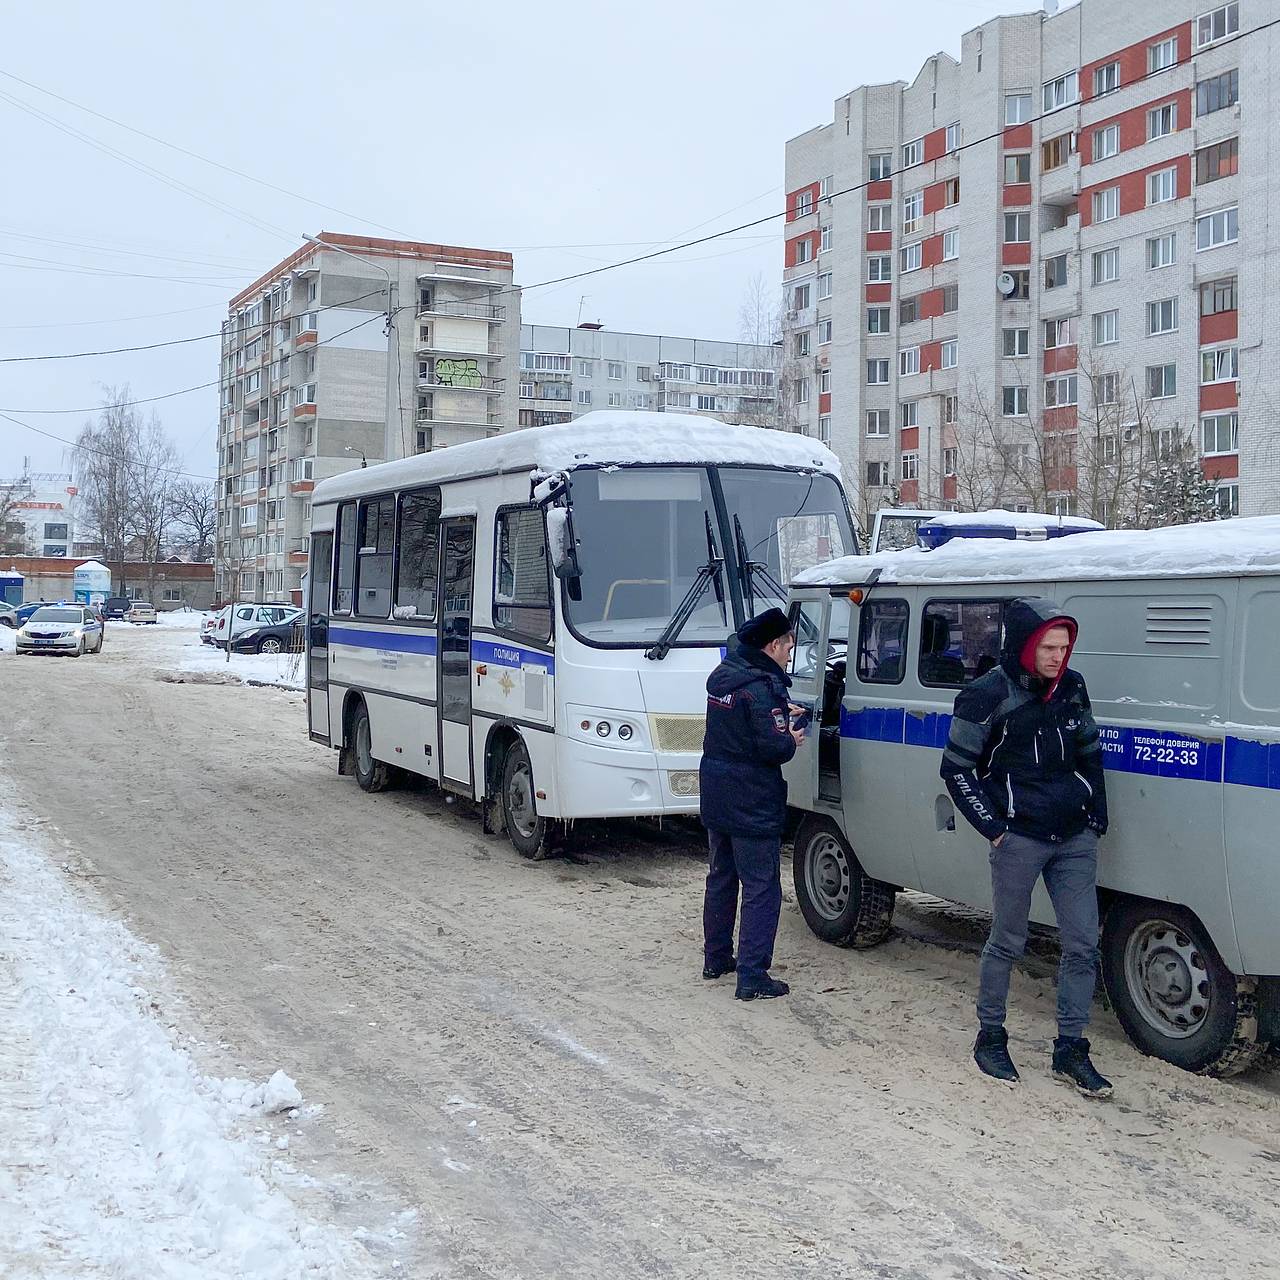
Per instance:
{"type": "Point", "coordinates": [1024, 766]}
{"type": "Point", "coordinates": [743, 802]}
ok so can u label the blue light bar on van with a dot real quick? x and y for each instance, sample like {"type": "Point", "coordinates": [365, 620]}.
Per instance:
{"type": "Point", "coordinates": [934, 533]}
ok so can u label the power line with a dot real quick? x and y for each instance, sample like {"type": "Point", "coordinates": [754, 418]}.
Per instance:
{"type": "Point", "coordinates": [85, 324]}
{"type": "Point", "coordinates": [115, 250]}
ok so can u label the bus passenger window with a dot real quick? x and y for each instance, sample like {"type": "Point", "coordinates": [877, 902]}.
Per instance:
{"type": "Point", "coordinates": [882, 641]}
{"type": "Point", "coordinates": [373, 578]}
{"type": "Point", "coordinates": [959, 641]}
{"type": "Point", "coordinates": [418, 563]}
{"type": "Point", "coordinates": [522, 588]}
{"type": "Point", "coordinates": [344, 584]}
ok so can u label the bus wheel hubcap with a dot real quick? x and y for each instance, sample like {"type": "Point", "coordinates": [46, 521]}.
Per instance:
{"type": "Point", "coordinates": [1168, 978]}
{"type": "Point", "coordinates": [827, 873]}
{"type": "Point", "coordinates": [520, 806]}
{"type": "Point", "coordinates": [364, 753]}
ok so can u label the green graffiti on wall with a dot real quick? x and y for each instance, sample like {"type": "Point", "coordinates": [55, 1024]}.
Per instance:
{"type": "Point", "coordinates": [458, 373]}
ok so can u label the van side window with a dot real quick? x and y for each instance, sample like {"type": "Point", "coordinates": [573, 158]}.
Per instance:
{"type": "Point", "coordinates": [959, 641]}
{"type": "Point", "coordinates": [882, 641]}
{"type": "Point", "coordinates": [344, 583]}
{"type": "Point", "coordinates": [522, 586]}
{"type": "Point", "coordinates": [418, 561]}
{"type": "Point", "coordinates": [373, 564]}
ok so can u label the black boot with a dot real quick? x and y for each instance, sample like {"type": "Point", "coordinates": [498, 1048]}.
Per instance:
{"type": "Point", "coordinates": [765, 988]}
{"type": "Point", "coordinates": [713, 971]}
{"type": "Point", "coordinates": [991, 1053]}
{"type": "Point", "coordinates": [1071, 1065]}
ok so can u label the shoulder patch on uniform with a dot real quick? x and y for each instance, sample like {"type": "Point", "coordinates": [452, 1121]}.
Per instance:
{"type": "Point", "coordinates": [721, 699]}
{"type": "Point", "coordinates": [779, 719]}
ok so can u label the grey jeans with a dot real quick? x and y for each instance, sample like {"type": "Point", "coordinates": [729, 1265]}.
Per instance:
{"type": "Point", "coordinates": [1070, 871]}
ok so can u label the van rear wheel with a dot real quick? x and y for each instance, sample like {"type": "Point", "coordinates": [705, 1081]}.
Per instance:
{"type": "Point", "coordinates": [840, 902]}
{"type": "Point", "coordinates": [1172, 993]}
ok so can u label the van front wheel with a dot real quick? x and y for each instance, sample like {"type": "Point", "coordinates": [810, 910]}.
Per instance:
{"type": "Point", "coordinates": [840, 902]}
{"type": "Point", "coordinates": [1171, 991]}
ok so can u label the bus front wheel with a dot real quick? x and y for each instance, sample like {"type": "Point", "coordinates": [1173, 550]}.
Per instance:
{"type": "Point", "coordinates": [527, 829]}
{"type": "Point", "coordinates": [1171, 991]}
{"type": "Point", "coordinates": [840, 902]}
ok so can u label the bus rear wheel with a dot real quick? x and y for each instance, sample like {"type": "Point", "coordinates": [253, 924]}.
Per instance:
{"type": "Point", "coordinates": [840, 902]}
{"type": "Point", "coordinates": [1172, 993]}
{"type": "Point", "coordinates": [528, 831]}
{"type": "Point", "coordinates": [371, 774]}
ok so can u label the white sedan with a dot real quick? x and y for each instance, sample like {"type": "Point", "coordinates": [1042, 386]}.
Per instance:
{"type": "Point", "coordinates": [61, 628]}
{"type": "Point", "coordinates": [139, 611]}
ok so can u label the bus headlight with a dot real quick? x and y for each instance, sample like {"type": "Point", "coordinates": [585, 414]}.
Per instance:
{"type": "Point", "coordinates": [604, 728]}
{"type": "Point", "coordinates": [625, 731]}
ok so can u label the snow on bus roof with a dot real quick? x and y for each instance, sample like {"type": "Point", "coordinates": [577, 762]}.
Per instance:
{"type": "Point", "coordinates": [603, 438]}
{"type": "Point", "coordinates": [1227, 547]}
{"type": "Point", "coordinates": [1000, 519]}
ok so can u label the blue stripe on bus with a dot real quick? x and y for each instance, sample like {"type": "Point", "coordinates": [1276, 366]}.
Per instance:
{"type": "Point", "coordinates": [391, 641]}
{"type": "Point", "coordinates": [511, 655]}
{"type": "Point", "coordinates": [1155, 753]}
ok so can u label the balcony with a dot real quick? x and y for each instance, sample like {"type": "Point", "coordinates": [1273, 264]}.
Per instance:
{"type": "Point", "coordinates": [427, 342]}
{"type": "Point", "coordinates": [465, 310]}
{"type": "Point", "coordinates": [460, 375]}
{"type": "Point", "coordinates": [433, 416]}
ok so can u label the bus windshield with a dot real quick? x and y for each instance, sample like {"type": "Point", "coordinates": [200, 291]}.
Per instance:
{"type": "Point", "coordinates": [642, 537]}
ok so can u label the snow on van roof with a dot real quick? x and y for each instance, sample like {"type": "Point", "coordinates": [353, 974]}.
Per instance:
{"type": "Point", "coordinates": [603, 438]}
{"type": "Point", "coordinates": [1000, 519]}
{"type": "Point", "coordinates": [1227, 547]}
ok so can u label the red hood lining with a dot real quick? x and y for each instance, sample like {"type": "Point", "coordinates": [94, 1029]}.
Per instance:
{"type": "Point", "coordinates": [1028, 655]}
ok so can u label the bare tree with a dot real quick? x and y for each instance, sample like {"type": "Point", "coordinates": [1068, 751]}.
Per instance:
{"type": "Point", "coordinates": [195, 517]}
{"type": "Point", "coordinates": [15, 537]}
{"type": "Point", "coordinates": [760, 320]}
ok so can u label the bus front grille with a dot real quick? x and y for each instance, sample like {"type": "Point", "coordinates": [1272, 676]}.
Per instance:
{"type": "Point", "coordinates": [678, 733]}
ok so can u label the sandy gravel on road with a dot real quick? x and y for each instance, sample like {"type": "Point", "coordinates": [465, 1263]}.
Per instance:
{"type": "Point", "coordinates": [525, 1052]}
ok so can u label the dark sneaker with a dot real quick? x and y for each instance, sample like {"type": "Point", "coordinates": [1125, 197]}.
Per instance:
{"type": "Point", "coordinates": [991, 1053]}
{"type": "Point", "coordinates": [765, 988]}
{"type": "Point", "coordinates": [713, 971]}
{"type": "Point", "coordinates": [1071, 1065]}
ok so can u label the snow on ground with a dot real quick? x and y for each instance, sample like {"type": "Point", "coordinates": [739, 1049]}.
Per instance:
{"type": "Point", "coordinates": [120, 1158]}
{"type": "Point", "coordinates": [282, 670]}
{"type": "Point", "coordinates": [7, 641]}
{"type": "Point", "coordinates": [181, 618]}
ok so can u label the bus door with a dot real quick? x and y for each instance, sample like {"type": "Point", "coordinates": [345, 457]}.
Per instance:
{"type": "Point", "coordinates": [318, 636]}
{"type": "Point", "coordinates": [458, 549]}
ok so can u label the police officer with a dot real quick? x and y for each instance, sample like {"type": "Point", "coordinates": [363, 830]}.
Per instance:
{"type": "Point", "coordinates": [744, 800]}
{"type": "Point", "coordinates": [1024, 766]}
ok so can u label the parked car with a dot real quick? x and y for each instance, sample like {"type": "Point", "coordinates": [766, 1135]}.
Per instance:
{"type": "Point", "coordinates": [24, 611]}
{"type": "Point", "coordinates": [239, 618]}
{"type": "Point", "coordinates": [141, 611]}
{"type": "Point", "coordinates": [8, 616]}
{"type": "Point", "coordinates": [61, 628]}
{"type": "Point", "coordinates": [115, 607]}
{"type": "Point", "coordinates": [273, 637]}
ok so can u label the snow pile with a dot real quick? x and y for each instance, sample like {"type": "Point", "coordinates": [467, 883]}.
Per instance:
{"type": "Point", "coordinates": [120, 1159]}
{"type": "Point", "coordinates": [279, 670]}
{"type": "Point", "coordinates": [1225, 547]}
{"type": "Point", "coordinates": [181, 619]}
{"type": "Point", "coordinates": [1001, 519]}
{"type": "Point", "coordinates": [8, 644]}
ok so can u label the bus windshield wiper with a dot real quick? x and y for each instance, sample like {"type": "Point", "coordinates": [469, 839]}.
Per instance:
{"type": "Point", "coordinates": [750, 568]}
{"type": "Point", "coordinates": [708, 573]}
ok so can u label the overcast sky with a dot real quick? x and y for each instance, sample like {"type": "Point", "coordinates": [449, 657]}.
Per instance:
{"type": "Point", "coordinates": [573, 134]}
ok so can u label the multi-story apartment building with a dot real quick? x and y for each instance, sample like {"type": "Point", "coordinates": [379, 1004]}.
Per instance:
{"type": "Point", "coordinates": [565, 373]}
{"type": "Point", "coordinates": [1030, 275]}
{"type": "Point", "coordinates": [306, 391]}
{"type": "Point", "coordinates": [39, 511]}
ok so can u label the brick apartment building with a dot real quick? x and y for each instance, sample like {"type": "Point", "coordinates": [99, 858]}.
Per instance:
{"type": "Point", "coordinates": [1061, 244]}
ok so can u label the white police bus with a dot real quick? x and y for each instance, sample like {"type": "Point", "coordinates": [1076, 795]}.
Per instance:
{"type": "Point", "coordinates": [530, 620]}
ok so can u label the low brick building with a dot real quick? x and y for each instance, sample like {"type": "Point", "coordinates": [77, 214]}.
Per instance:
{"type": "Point", "coordinates": [178, 584]}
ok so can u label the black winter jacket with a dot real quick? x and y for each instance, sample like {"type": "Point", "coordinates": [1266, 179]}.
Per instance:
{"type": "Point", "coordinates": [748, 740]}
{"type": "Point", "coordinates": [1018, 762]}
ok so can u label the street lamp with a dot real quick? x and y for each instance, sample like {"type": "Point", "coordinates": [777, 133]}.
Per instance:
{"type": "Point", "coordinates": [391, 422]}
{"type": "Point", "coordinates": [352, 449]}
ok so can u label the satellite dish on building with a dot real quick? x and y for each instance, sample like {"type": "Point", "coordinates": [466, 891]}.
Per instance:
{"type": "Point", "coordinates": [1006, 284]}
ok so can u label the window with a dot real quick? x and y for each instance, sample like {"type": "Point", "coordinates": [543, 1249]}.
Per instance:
{"type": "Point", "coordinates": [1106, 204]}
{"type": "Point", "coordinates": [880, 217]}
{"type": "Point", "coordinates": [1106, 79]}
{"type": "Point", "coordinates": [877, 372]}
{"type": "Point", "coordinates": [1017, 342]}
{"type": "Point", "coordinates": [959, 641]}
{"type": "Point", "coordinates": [879, 165]}
{"type": "Point", "coordinates": [1055, 271]}
{"type": "Point", "coordinates": [1217, 296]}
{"type": "Point", "coordinates": [416, 564]}
{"type": "Point", "coordinates": [375, 541]}
{"type": "Point", "coordinates": [1106, 142]}
{"type": "Point", "coordinates": [1055, 152]}
{"type": "Point", "coordinates": [1162, 251]}
{"type": "Point", "coordinates": [804, 204]}
{"type": "Point", "coordinates": [1162, 121]}
{"type": "Point", "coordinates": [586, 368]}
{"type": "Point", "coordinates": [1106, 265]}
{"type": "Point", "coordinates": [950, 245]}
{"type": "Point", "coordinates": [912, 153]}
{"type": "Point", "coordinates": [912, 210]}
{"type": "Point", "coordinates": [1106, 328]}
{"type": "Point", "coordinates": [1218, 92]}
{"type": "Point", "coordinates": [804, 250]}
{"type": "Point", "coordinates": [1162, 381]}
{"type": "Point", "coordinates": [950, 460]}
{"type": "Point", "coordinates": [953, 136]}
{"type": "Point", "coordinates": [1162, 55]}
{"type": "Point", "coordinates": [880, 268]}
{"type": "Point", "coordinates": [909, 414]}
{"type": "Point", "coordinates": [909, 310]}
{"type": "Point", "coordinates": [644, 373]}
{"type": "Point", "coordinates": [909, 362]}
{"type": "Point", "coordinates": [950, 298]}
{"type": "Point", "coordinates": [824, 332]}
{"type": "Point", "coordinates": [877, 319]}
{"type": "Point", "coordinates": [615, 399]}
{"type": "Point", "coordinates": [877, 475]}
{"type": "Point", "coordinates": [1228, 500]}
{"type": "Point", "coordinates": [910, 256]}
{"type": "Point", "coordinates": [825, 186]}
{"type": "Point", "coordinates": [951, 192]}
{"type": "Point", "coordinates": [1017, 168]}
{"type": "Point", "coordinates": [800, 297]}
{"type": "Point", "coordinates": [877, 422]}
{"type": "Point", "coordinates": [1217, 24]}
{"type": "Point", "coordinates": [1169, 441]}
{"type": "Point", "coordinates": [1162, 316]}
{"type": "Point", "coordinates": [1219, 434]}
{"type": "Point", "coordinates": [617, 370]}
{"type": "Point", "coordinates": [824, 428]}
{"type": "Point", "coordinates": [824, 381]}
{"type": "Point", "coordinates": [950, 353]}
{"type": "Point", "coordinates": [1059, 392]}
{"type": "Point", "coordinates": [584, 396]}
{"type": "Point", "coordinates": [1061, 92]}
{"type": "Point", "coordinates": [522, 584]}
{"type": "Point", "coordinates": [346, 576]}
{"type": "Point", "coordinates": [882, 641]}
{"type": "Point", "coordinates": [1059, 333]}
{"type": "Point", "coordinates": [824, 286]}
{"type": "Point", "coordinates": [801, 341]}
{"type": "Point", "coordinates": [1214, 229]}
{"type": "Point", "coordinates": [1017, 108]}
{"type": "Point", "coordinates": [802, 391]}
{"type": "Point", "coordinates": [1162, 186]}
{"type": "Point", "coordinates": [1220, 365]}
{"type": "Point", "coordinates": [1217, 161]}
{"type": "Point", "coordinates": [824, 238]}
{"type": "Point", "coordinates": [910, 466]}
{"type": "Point", "coordinates": [1014, 402]}
{"type": "Point", "coordinates": [1106, 388]}
{"type": "Point", "coordinates": [249, 516]}
{"type": "Point", "coordinates": [1021, 286]}
{"type": "Point", "coordinates": [1017, 228]}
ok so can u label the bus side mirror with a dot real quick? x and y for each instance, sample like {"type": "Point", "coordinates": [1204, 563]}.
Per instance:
{"type": "Point", "coordinates": [563, 545]}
